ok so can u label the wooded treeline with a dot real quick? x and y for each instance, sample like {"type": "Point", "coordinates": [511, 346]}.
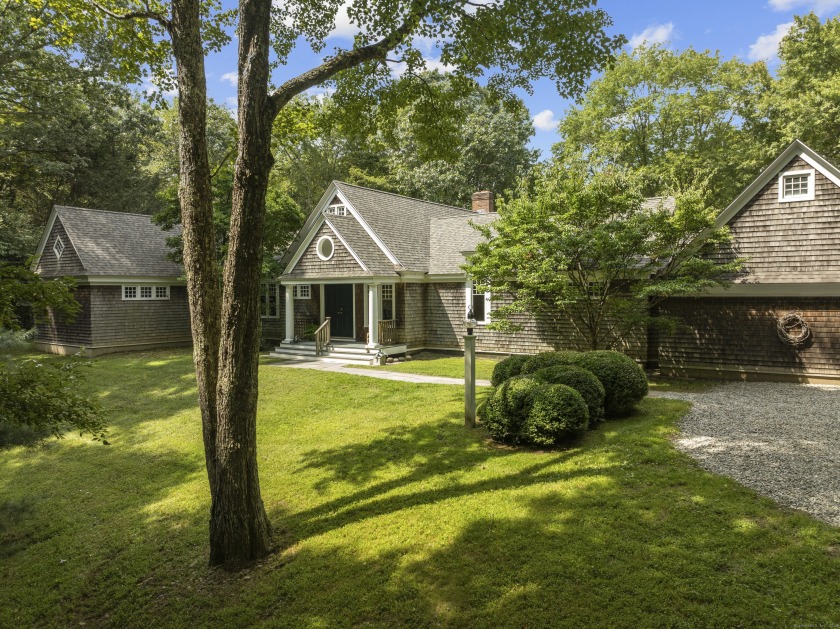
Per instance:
{"type": "Point", "coordinates": [678, 118]}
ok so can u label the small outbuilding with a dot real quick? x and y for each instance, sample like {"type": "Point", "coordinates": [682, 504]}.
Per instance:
{"type": "Point", "coordinates": [133, 295]}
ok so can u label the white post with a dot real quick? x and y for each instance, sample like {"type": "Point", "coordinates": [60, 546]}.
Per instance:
{"type": "Point", "coordinates": [373, 316]}
{"type": "Point", "coordinates": [469, 380]}
{"type": "Point", "coordinates": [290, 316]}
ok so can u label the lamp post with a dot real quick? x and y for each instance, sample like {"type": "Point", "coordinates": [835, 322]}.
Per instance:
{"type": "Point", "coordinates": [469, 370]}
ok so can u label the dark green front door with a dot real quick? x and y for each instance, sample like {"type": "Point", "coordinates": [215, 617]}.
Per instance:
{"type": "Point", "coordinates": [338, 306]}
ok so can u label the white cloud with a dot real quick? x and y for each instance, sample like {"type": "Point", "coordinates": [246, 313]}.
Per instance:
{"type": "Point", "coordinates": [545, 121]}
{"type": "Point", "coordinates": [653, 34]}
{"type": "Point", "coordinates": [398, 69]}
{"type": "Point", "coordinates": [766, 46]}
{"type": "Point", "coordinates": [344, 28]}
{"type": "Point", "coordinates": [818, 6]}
{"type": "Point", "coordinates": [231, 77]}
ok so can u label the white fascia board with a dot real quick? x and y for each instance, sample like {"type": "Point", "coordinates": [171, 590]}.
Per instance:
{"type": "Point", "coordinates": [43, 242]}
{"type": "Point", "coordinates": [362, 279]}
{"type": "Point", "coordinates": [355, 213]}
{"type": "Point", "coordinates": [780, 289]}
{"type": "Point", "coordinates": [347, 246]}
{"type": "Point", "coordinates": [796, 149]}
{"type": "Point", "coordinates": [110, 280]}
{"type": "Point", "coordinates": [304, 244]}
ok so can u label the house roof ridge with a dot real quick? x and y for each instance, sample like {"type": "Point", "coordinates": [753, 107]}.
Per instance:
{"type": "Point", "coordinates": [403, 196]}
{"type": "Point", "coordinates": [91, 209]}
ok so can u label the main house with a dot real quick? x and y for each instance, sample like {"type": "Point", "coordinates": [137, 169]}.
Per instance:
{"type": "Point", "coordinates": [373, 273]}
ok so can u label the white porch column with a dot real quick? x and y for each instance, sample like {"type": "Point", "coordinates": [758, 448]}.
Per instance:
{"type": "Point", "coordinates": [290, 316]}
{"type": "Point", "coordinates": [373, 316]}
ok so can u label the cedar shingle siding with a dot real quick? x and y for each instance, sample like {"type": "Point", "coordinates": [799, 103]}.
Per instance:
{"type": "Point", "coordinates": [118, 322]}
{"type": "Point", "coordinates": [68, 265]}
{"type": "Point", "coordinates": [739, 335]}
{"type": "Point", "coordinates": [342, 263]}
{"type": "Point", "coordinates": [797, 241]}
{"type": "Point", "coordinates": [56, 330]}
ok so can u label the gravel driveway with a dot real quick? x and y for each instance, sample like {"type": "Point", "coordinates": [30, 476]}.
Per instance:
{"type": "Point", "coordinates": [783, 440]}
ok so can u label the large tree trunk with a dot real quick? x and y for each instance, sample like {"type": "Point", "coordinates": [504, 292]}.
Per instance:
{"type": "Point", "coordinates": [194, 194]}
{"type": "Point", "coordinates": [239, 527]}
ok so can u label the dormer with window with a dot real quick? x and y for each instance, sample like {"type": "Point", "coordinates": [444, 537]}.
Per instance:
{"type": "Point", "coordinates": [336, 209]}
{"type": "Point", "coordinates": [796, 185]}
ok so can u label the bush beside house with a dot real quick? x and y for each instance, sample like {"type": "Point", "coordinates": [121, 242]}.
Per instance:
{"type": "Point", "coordinates": [549, 397]}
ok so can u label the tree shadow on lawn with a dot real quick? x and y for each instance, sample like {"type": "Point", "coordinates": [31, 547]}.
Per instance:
{"type": "Point", "coordinates": [643, 539]}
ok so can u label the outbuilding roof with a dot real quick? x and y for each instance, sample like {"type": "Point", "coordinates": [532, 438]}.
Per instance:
{"type": "Point", "coordinates": [115, 243]}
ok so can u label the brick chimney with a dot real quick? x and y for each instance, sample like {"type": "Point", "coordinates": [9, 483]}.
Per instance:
{"type": "Point", "coordinates": [483, 202]}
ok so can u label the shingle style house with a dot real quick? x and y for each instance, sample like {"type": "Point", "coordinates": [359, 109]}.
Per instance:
{"type": "Point", "coordinates": [132, 295]}
{"type": "Point", "coordinates": [386, 270]}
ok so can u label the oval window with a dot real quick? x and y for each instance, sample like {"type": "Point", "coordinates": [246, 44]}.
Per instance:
{"type": "Point", "coordinates": [325, 248]}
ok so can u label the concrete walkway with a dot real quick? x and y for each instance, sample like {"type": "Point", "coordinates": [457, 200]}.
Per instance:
{"type": "Point", "coordinates": [382, 374]}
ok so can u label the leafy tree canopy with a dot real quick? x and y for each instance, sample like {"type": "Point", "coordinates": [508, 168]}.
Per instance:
{"type": "Point", "coordinates": [682, 120]}
{"type": "Point", "coordinates": [583, 246]}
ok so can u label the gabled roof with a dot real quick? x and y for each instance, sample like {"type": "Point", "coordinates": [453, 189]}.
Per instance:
{"type": "Point", "coordinates": [115, 243]}
{"type": "Point", "coordinates": [388, 232]}
{"type": "Point", "coordinates": [797, 148]}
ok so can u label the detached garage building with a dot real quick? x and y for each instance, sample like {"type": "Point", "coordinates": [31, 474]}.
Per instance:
{"type": "Point", "coordinates": [132, 295]}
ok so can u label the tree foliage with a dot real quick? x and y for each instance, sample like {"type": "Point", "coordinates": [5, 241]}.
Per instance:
{"type": "Point", "coordinates": [805, 100]}
{"type": "Point", "coordinates": [682, 120]}
{"type": "Point", "coordinates": [583, 247]}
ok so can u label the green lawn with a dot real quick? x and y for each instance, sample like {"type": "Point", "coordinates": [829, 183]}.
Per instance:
{"type": "Point", "coordinates": [387, 512]}
{"type": "Point", "coordinates": [436, 364]}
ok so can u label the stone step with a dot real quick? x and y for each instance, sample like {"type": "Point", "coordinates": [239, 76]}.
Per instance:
{"type": "Point", "coordinates": [328, 357]}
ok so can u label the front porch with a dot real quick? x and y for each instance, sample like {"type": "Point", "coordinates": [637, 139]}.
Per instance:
{"type": "Point", "coordinates": [364, 312]}
{"type": "Point", "coordinates": [343, 352]}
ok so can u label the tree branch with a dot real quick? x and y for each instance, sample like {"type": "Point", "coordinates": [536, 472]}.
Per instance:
{"type": "Point", "coordinates": [346, 60]}
{"type": "Point", "coordinates": [134, 15]}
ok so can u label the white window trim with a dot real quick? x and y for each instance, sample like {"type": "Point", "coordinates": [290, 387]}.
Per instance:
{"type": "Point", "coordinates": [137, 288]}
{"type": "Point", "coordinates": [298, 288]}
{"type": "Point", "coordinates": [266, 294]}
{"type": "Point", "coordinates": [336, 209]}
{"type": "Point", "coordinates": [487, 301]}
{"type": "Point", "coordinates": [58, 250]}
{"type": "Point", "coordinates": [810, 172]}
{"type": "Point", "coordinates": [382, 302]}
{"type": "Point", "coordinates": [318, 248]}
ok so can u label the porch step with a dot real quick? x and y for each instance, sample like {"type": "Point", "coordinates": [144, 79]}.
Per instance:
{"type": "Point", "coordinates": [343, 354]}
{"type": "Point", "coordinates": [326, 358]}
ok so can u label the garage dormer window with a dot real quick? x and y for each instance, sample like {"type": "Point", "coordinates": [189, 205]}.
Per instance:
{"type": "Point", "coordinates": [58, 247]}
{"type": "Point", "coordinates": [796, 185]}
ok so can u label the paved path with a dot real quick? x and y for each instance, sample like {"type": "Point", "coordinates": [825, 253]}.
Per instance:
{"type": "Point", "coordinates": [375, 373]}
{"type": "Point", "coordinates": [779, 439]}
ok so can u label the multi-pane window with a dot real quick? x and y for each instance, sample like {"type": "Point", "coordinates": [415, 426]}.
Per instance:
{"type": "Point", "coordinates": [480, 303]}
{"type": "Point", "coordinates": [387, 302]}
{"type": "Point", "coordinates": [269, 303]}
{"type": "Point", "coordinates": [302, 291]}
{"type": "Point", "coordinates": [58, 247]}
{"type": "Point", "coordinates": [337, 209]}
{"type": "Point", "coordinates": [140, 292]}
{"type": "Point", "coordinates": [796, 185]}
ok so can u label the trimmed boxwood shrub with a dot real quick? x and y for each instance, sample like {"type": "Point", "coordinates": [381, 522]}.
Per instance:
{"type": "Point", "coordinates": [508, 368]}
{"type": "Point", "coordinates": [624, 381]}
{"type": "Point", "coordinates": [581, 380]}
{"type": "Point", "coordinates": [557, 413]}
{"type": "Point", "coordinates": [508, 408]}
{"type": "Point", "coordinates": [548, 359]}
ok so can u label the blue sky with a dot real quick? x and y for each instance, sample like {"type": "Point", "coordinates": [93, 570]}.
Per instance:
{"type": "Point", "coordinates": [749, 29]}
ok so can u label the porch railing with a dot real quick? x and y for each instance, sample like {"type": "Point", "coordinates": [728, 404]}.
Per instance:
{"type": "Point", "coordinates": [322, 337]}
{"type": "Point", "coordinates": [387, 332]}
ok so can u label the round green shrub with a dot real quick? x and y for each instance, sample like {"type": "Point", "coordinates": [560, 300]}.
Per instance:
{"type": "Point", "coordinates": [624, 381]}
{"type": "Point", "coordinates": [557, 413]}
{"type": "Point", "coordinates": [506, 411]}
{"type": "Point", "coordinates": [508, 368]}
{"type": "Point", "coordinates": [548, 359]}
{"type": "Point", "coordinates": [581, 380]}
